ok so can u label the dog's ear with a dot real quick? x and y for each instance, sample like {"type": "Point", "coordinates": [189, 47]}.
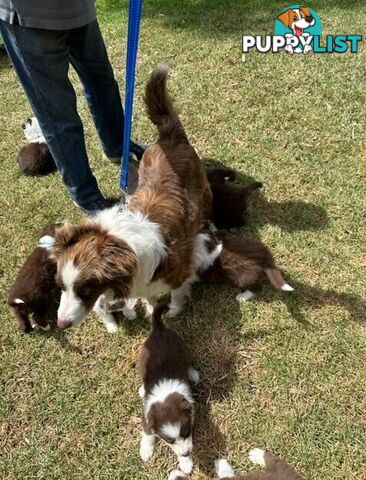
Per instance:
{"type": "Point", "coordinates": [305, 11]}
{"type": "Point", "coordinates": [287, 17]}
{"type": "Point", "coordinates": [68, 235]}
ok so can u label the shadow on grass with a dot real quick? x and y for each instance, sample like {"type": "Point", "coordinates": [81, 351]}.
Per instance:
{"type": "Point", "coordinates": [218, 18]}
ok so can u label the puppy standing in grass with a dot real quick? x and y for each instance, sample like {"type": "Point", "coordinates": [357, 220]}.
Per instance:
{"type": "Point", "coordinates": [35, 285]}
{"type": "Point", "coordinates": [165, 366]}
{"type": "Point", "coordinates": [243, 263]}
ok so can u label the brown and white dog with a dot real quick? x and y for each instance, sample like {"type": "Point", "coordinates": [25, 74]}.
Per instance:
{"type": "Point", "coordinates": [35, 285]}
{"type": "Point", "coordinates": [165, 366]}
{"type": "Point", "coordinates": [35, 158]}
{"type": "Point", "coordinates": [274, 469]}
{"type": "Point", "coordinates": [242, 263]}
{"type": "Point", "coordinates": [146, 248]}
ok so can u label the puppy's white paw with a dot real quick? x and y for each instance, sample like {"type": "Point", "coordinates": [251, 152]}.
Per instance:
{"type": "Point", "coordinates": [193, 375]}
{"type": "Point", "coordinates": [142, 391]}
{"type": "Point", "coordinates": [186, 464]}
{"type": "Point", "coordinates": [223, 469]}
{"type": "Point", "coordinates": [39, 328]}
{"type": "Point", "coordinates": [256, 455]}
{"type": "Point", "coordinates": [146, 451]}
{"type": "Point", "coordinates": [287, 288]}
{"type": "Point", "coordinates": [149, 308]}
{"type": "Point", "coordinates": [243, 297]}
{"type": "Point", "coordinates": [111, 327]}
{"type": "Point", "coordinates": [176, 474]}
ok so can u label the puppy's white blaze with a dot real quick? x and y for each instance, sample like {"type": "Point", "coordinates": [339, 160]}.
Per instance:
{"type": "Point", "coordinates": [164, 388]}
{"type": "Point", "coordinates": [46, 242]}
{"type": "Point", "coordinates": [243, 297]}
{"type": "Point", "coordinates": [287, 288]}
{"type": "Point", "coordinates": [256, 455]}
{"type": "Point", "coordinates": [223, 469]}
{"type": "Point", "coordinates": [171, 430]}
{"type": "Point", "coordinates": [18, 301]}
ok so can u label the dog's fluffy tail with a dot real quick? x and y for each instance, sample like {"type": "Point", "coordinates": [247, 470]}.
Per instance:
{"type": "Point", "coordinates": [277, 280]}
{"type": "Point", "coordinates": [156, 321]}
{"type": "Point", "coordinates": [160, 107]}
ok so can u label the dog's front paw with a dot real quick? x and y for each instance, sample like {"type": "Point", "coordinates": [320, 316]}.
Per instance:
{"type": "Point", "coordinates": [129, 314]}
{"type": "Point", "coordinates": [111, 327]}
{"type": "Point", "coordinates": [176, 474]}
{"type": "Point", "coordinates": [193, 375]}
{"type": "Point", "coordinates": [256, 456]}
{"type": "Point", "coordinates": [186, 464]}
{"type": "Point", "coordinates": [146, 451]}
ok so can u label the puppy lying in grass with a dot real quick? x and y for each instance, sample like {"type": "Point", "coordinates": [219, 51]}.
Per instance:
{"type": "Point", "coordinates": [243, 263]}
{"type": "Point", "coordinates": [35, 158]}
{"type": "Point", "coordinates": [274, 469]}
{"type": "Point", "coordinates": [35, 285]}
{"type": "Point", "coordinates": [229, 202]}
{"type": "Point", "coordinates": [165, 366]}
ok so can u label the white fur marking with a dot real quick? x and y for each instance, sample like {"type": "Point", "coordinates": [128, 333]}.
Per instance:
{"type": "Point", "coordinates": [256, 455]}
{"type": "Point", "coordinates": [287, 288]}
{"type": "Point", "coordinates": [243, 297]}
{"type": "Point", "coordinates": [147, 446]}
{"type": "Point", "coordinates": [142, 391]}
{"type": "Point", "coordinates": [46, 242]}
{"type": "Point", "coordinates": [193, 375]}
{"type": "Point", "coordinates": [164, 388]}
{"type": "Point", "coordinates": [18, 301]}
{"type": "Point", "coordinates": [175, 474]}
{"type": "Point", "coordinates": [171, 430]}
{"type": "Point", "coordinates": [33, 132]}
{"type": "Point", "coordinates": [223, 469]}
{"type": "Point", "coordinates": [185, 464]}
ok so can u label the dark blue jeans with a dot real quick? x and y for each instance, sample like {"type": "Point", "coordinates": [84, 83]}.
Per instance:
{"type": "Point", "coordinates": [41, 59]}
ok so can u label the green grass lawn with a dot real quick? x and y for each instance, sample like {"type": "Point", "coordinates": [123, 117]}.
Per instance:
{"type": "Point", "coordinates": [286, 373]}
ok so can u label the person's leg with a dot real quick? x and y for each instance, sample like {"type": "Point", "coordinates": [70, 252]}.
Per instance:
{"type": "Point", "coordinates": [90, 59]}
{"type": "Point", "coordinates": [41, 60]}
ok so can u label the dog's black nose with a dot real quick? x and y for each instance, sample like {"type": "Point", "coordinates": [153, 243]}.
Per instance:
{"type": "Point", "coordinates": [309, 19]}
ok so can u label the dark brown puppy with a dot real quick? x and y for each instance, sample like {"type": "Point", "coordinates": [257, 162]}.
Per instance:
{"type": "Point", "coordinates": [243, 263]}
{"type": "Point", "coordinates": [229, 202]}
{"type": "Point", "coordinates": [35, 284]}
{"type": "Point", "coordinates": [274, 468]}
{"type": "Point", "coordinates": [165, 366]}
{"type": "Point", "coordinates": [35, 159]}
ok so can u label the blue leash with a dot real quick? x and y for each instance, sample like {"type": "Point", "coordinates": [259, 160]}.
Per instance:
{"type": "Point", "coordinates": [134, 17]}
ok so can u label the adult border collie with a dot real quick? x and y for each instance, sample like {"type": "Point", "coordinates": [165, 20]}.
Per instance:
{"type": "Point", "coordinates": [146, 248]}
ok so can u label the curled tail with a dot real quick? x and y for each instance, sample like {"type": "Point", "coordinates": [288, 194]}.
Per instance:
{"type": "Point", "coordinates": [159, 310]}
{"type": "Point", "coordinates": [160, 107]}
{"type": "Point", "coordinates": [277, 280]}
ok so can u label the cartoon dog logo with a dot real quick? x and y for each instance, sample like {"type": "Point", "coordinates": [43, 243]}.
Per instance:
{"type": "Point", "coordinates": [297, 20]}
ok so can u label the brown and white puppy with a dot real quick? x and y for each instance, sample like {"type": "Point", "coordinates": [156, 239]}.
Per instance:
{"type": "Point", "coordinates": [165, 366]}
{"type": "Point", "coordinates": [229, 202]}
{"type": "Point", "coordinates": [242, 263]}
{"type": "Point", "coordinates": [35, 286]}
{"type": "Point", "coordinates": [274, 468]}
{"type": "Point", "coordinates": [146, 248]}
{"type": "Point", "coordinates": [35, 158]}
